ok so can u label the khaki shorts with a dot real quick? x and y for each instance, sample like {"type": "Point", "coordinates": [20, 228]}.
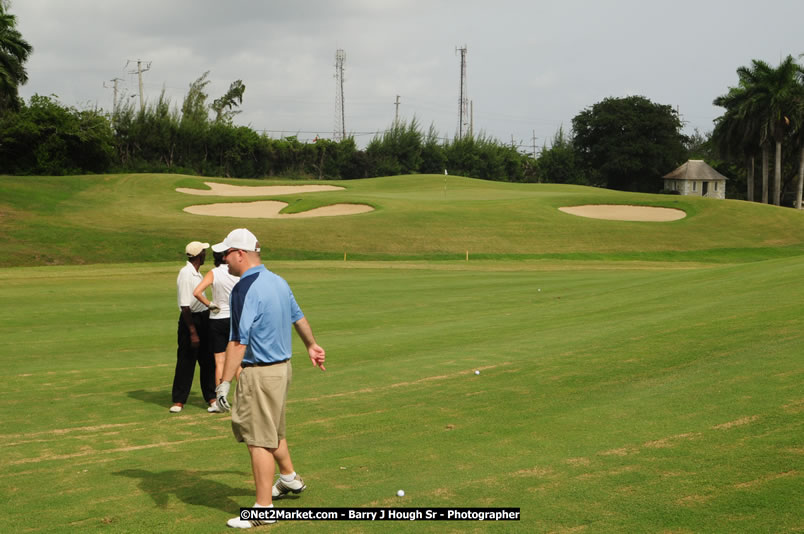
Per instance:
{"type": "Point", "coordinates": [258, 415]}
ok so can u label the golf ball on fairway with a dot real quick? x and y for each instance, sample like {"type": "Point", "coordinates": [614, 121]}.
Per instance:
{"type": "Point", "coordinates": [477, 372]}
{"type": "Point", "coordinates": [400, 493]}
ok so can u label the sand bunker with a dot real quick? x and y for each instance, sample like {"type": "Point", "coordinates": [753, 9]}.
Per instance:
{"type": "Point", "coordinates": [269, 209]}
{"type": "Point", "coordinates": [266, 209]}
{"type": "Point", "coordinates": [614, 212]}
{"type": "Point", "coordinates": [224, 190]}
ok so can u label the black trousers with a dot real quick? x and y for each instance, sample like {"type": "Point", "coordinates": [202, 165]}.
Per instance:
{"type": "Point", "coordinates": [187, 356]}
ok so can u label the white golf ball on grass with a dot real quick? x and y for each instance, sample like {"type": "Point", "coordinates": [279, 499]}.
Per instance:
{"type": "Point", "coordinates": [400, 493]}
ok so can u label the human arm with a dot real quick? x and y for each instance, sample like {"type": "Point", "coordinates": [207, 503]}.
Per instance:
{"type": "Point", "coordinates": [187, 319]}
{"type": "Point", "coordinates": [316, 353]}
{"type": "Point", "coordinates": [234, 357]}
{"type": "Point", "coordinates": [198, 292]}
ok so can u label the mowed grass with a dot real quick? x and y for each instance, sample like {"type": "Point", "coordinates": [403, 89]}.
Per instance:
{"type": "Point", "coordinates": [133, 218]}
{"type": "Point", "coordinates": [634, 377]}
{"type": "Point", "coordinates": [612, 397]}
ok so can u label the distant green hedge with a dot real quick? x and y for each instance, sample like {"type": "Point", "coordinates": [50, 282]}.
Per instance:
{"type": "Point", "coordinates": [47, 138]}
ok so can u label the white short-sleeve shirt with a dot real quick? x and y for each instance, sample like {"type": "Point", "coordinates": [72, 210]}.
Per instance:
{"type": "Point", "coordinates": [222, 284]}
{"type": "Point", "coordinates": [186, 283]}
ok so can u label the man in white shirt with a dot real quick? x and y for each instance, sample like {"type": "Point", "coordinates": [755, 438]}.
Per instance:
{"type": "Point", "coordinates": [193, 333]}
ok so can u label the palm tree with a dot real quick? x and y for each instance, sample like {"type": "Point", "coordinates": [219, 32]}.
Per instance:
{"type": "Point", "coordinates": [736, 133]}
{"type": "Point", "coordinates": [14, 52]}
{"type": "Point", "coordinates": [772, 95]}
{"type": "Point", "coordinates": [798, 128]}
{"type": "Point", "coordinates": [763, 104]}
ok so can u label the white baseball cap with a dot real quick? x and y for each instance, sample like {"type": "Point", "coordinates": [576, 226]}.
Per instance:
{"type": "Point", "coordinates": [194, 248]}
{"type": "Point", "coordinates": [240, 239]}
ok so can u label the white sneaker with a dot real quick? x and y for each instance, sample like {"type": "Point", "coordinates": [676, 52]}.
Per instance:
{"type": "Point", "coordinates": [213, 408]}
{"type": "Point", "coordinates": [236, 522]}
{"type": "Point", "coordinates": [176, 408]}
{"type": "Point", "coordinates": [282, 488]}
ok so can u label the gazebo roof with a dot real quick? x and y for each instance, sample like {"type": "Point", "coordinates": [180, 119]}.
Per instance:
{"type": "Point", "coordinates": [695, 169]}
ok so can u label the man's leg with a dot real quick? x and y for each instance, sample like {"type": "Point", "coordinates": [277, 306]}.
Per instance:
{"type": "Point", "coordinates": [289, 481]}
{"type": "Point", "coordinates": [262, 465]}
{"type": "Point", "coordinates": [282, 456]}
{"type": "Point", "coordinates": [185, 366]}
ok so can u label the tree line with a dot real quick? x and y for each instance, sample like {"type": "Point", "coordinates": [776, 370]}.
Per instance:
{"type": "Point", "coordinates": [620, 143]}
{"type": "Point", "coordinates": [45, 137]}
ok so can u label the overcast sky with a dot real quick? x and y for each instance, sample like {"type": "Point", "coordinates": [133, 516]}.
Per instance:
{"type": "Point", "coordinates": [531, 65]}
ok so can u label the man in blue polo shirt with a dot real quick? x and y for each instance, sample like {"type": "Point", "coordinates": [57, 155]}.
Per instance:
{"type": "Point", "coordinates": [262, 310]}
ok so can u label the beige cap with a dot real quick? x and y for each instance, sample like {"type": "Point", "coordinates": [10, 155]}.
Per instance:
{"type": "Point", "coordinates": [195, 248]}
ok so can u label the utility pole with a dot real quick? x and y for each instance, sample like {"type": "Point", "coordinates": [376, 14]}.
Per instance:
{"type": "Point", "coordinates": [114, 101]}
{"type": "Point", "coordinates": [534, 144]}
{"type": "Point", "coordinates": [396, 113]}
{"type": "Point", "coordinates": [471, 118]}
{"type": "Point", "coordinates": [463, 99]}
{"type": "Point", "coordinates": [139, 72]}
{"type": "Point", "coordinates": [340, 124]}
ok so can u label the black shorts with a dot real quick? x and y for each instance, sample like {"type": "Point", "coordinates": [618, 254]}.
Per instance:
{"type": "Point", "coordinates": [219, 334]}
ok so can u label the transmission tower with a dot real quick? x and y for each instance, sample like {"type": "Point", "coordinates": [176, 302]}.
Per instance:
{"type": "Point", "coordinates": [464, 100]}
{"type": "Point", "coordinates": [340, 125]}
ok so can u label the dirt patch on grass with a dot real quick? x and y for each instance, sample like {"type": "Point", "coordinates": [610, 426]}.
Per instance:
{"type": "Point", "coordinates": [442, 493]}
{"type": "Point", "coordinates": [534, 472]}
{"type": "Point", "coordinates": [692, 500]}
{"type": "Point", "coordinates": [569, 530]}
{"type": "Point", "coordinates": [269, 209]}
{"type": "Point", "coordinates": [794, 407]}
{"type": "Point", "coordinates": [401, 384]}
{"type": "Point", "coordinates": [765, 479]}
{"type": "Point", "coordinates": [577, 461]}
{"type": "Point", "coordinates": [226, 190]}
{"type": "Point", "coordinates": [739, 422]}
{"type": "Point", "coordinates": [62, 431]}
{"type": "Point", "coordinates": [86, 451]}
{"type": "Point", "coordinates": [623, 451]}
{"type": "Point", "coordinates": [668, 442]}
{"type": "Point", "coordinates": [618, 212]}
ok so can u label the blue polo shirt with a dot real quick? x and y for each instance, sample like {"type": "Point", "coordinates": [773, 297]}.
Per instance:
{"type": "Point", "coordinates": [262, 310]}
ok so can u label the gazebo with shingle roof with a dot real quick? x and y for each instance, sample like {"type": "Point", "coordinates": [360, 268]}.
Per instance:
{"type": "Point", "coordinates": [696, 178]}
